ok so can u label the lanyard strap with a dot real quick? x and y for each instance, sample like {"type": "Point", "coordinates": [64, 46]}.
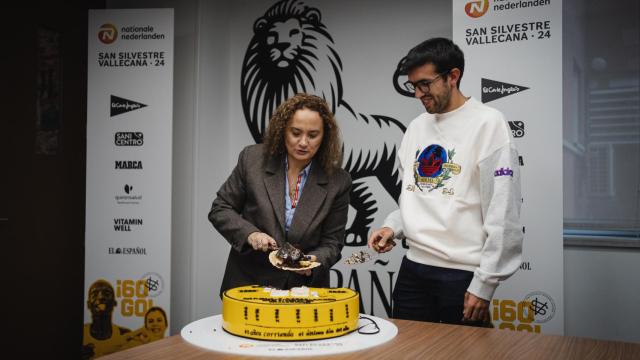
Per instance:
{"type": "Point", "coordinates": [294, 201]}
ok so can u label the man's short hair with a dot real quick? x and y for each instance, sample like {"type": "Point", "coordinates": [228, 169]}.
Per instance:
{"type": "Point", "coordinates": [443, 53]}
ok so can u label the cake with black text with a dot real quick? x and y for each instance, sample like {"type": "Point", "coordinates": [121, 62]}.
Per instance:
{"type": "Point", "coordinates": [298, 314]}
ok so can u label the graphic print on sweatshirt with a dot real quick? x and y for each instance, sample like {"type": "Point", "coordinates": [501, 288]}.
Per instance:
{"type": "Point", "coordinates": [434, 168]}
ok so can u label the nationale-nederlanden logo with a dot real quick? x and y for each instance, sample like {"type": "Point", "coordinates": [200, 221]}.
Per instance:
{"type": "Point", "coordinates": [121, 105]}
{"type": "Point", "coordinates": [107, 34]}
{"type": "Point", "coordinates": [476, 8]}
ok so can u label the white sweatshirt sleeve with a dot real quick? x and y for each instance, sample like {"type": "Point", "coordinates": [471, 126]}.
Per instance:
{"type": "Point", "coordinates": [500, 199]}
{"type": "Point", "coordinates": [394, 222]}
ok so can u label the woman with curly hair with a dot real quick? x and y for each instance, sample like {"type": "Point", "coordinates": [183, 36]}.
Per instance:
{"type": "Point", "coordinates": [290, 189]}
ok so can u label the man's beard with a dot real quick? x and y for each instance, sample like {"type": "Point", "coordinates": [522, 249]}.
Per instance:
{"type": "Point", "coordinates": [439, 102]}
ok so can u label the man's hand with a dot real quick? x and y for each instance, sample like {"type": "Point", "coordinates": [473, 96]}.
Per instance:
{"type": "Point", "coordinates": [381, 240]}
{"type": "Point", "coordinates": [306, 272]}
{"type": "Point", "coordinates": [475, 308]}
{"type": "Point", "coordinates": [261, 242]}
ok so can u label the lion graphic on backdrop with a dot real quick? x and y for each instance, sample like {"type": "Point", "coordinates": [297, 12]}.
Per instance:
{"type": "Point", "coordinates": [292, 51]}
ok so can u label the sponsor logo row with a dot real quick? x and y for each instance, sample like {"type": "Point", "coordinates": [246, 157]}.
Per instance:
{"type": "Point", "coordinates": [120, 106]}
{"type": "Point", "coordinates": [127, 225]}
{"type": "Point", "coordinates": [130, 196]}
{"type": "Point", "coordinates": [126, 138]}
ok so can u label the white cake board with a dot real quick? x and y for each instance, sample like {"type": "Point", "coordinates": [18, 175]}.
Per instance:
{"type": "Point", "coordinates": [208, 333]}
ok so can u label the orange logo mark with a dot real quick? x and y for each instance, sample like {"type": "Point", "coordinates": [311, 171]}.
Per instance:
{"type": "Point", "coordinates": [107, 34]}
{"type": "Point", "coordinates": [475, 9]}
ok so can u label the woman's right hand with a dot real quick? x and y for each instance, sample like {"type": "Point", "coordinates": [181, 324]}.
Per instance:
{"type": "Point", "coordinates": [261, 242]}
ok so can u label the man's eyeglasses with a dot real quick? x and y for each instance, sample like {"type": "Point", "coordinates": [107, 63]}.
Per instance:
{"type": "Point", "coordinates": [423, 85]}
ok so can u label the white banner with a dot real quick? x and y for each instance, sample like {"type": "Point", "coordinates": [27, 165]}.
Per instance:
{"type": "Point", "coordinates": [128, 203]}
{"type": "Point", "coordinates": [513, 53]}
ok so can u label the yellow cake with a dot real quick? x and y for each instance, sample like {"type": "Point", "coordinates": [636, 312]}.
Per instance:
{"type": "Point", "coordinates": [298, 314]}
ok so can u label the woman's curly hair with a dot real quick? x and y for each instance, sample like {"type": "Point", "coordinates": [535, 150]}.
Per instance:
{"type": "Point", "coordinates": [330, 152]}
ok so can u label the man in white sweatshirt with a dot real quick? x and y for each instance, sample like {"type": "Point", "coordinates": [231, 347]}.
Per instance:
{"type": "Point", "coordinates": [460, 201]}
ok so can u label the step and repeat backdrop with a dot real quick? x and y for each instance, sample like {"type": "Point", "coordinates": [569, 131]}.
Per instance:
{"type": "Point", "coordinates": [513, 58]}
{"type": "Point", "coordinates": [128, 203]}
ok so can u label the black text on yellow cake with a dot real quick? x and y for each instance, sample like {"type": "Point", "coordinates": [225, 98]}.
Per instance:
{"type": "Point", "coordinates": [298, 314]}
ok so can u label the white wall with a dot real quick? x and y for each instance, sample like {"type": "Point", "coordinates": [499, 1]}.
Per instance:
{"type": "Point", "coordinates": [214, 160]}
{"type": "Point", "coordinates": [602, 293]}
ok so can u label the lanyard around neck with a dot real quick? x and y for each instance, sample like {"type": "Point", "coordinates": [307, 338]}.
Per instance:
{"type": "Point", "coordinates": [296, 192]}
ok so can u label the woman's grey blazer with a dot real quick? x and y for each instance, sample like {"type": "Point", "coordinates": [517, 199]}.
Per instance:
{"type": "Point", "coordinates": [252, 199]}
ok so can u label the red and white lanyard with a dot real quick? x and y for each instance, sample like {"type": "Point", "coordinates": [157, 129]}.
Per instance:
{"type": "Point", "coordinates": [294, 201]}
